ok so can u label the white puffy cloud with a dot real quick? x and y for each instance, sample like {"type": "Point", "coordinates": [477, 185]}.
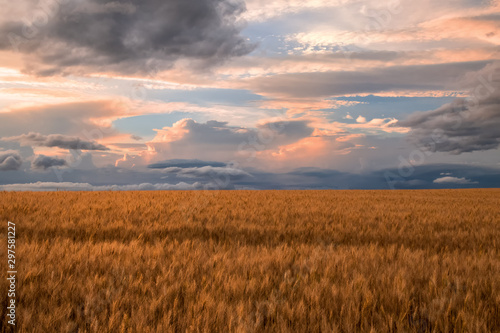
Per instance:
{"type": "Point", "coordinates": [453, 180]}
{"type": "Point", "coordinates": [361, 120]}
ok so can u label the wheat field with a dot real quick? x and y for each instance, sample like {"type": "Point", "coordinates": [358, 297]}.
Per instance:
{"type": "Point", "coordinates": [255, 261]}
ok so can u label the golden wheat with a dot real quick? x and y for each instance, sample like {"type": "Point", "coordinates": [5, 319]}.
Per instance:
{"type": "Point", "coordinates": [255, 261]}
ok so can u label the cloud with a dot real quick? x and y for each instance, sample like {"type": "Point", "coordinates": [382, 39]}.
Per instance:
{"type": "Point", "coordinates": [42, 162]}
{"type": "Point", "coordinates": [261, 10]}
{"type": "Point", "coordinates": [475, 30]}
{"type": "Point", "coordinates": [422, 178]}
{"type": "Point", "coordinates": [10, 160]}
{"type": "Point", "coordinates": [361, 120]}
{"type": "Point", "coordinates": [111, 178]}
{"type": "Point", "coordinates": [130, 36]}
{"type": "Point", "coordinates": [207, 172]}
{"type": "Point", "coordinates": [465, 125]}
{"type": "Point", "coordinates": [272, 144]}
{"type": "Point", "coordinates": [285, 132]}
{"type": "Point", "coordinates": [56, 140]}
{"type": "Point", "coordinates": [185, 163]}
{"type": "Point", "coordinates": [375, 80]}
{"type": "Point", "coordinates": [453, 180]}
{"type": "Point", "coordinates": [130, 161]}
{"type": "Point", "coordinates": [216, 140]}
{"type": "Point", "coordinates": [89, 119]}
{"type": "Point", "coordinates": [68, 186]}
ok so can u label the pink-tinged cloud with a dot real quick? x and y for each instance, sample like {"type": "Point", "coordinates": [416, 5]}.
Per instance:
{"type": "Point", "coordinates": [133, 161]}
{"type": "Point", "coordinates": [215, 140]}
{"type": "Point", "coordinates": [76, 119]}
{"type": "Point", "coordinates": [318, 151]}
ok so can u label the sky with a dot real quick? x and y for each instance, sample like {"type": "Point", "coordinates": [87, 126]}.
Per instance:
{"type": "Point", "coordinates": [232, 94]}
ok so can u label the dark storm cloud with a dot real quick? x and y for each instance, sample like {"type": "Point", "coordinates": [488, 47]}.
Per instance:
{"type": "Point", "coordinates": [10, 160]}
{"type": "Point", "coordinates": [133, 35]}
{"type": "Point", "coordinates": [423, 177]}
{"type": "Point", "coordinates": [397, 78]}
{"type": "Point", "coordinates": [42, 162]}
{"type": "Point", "coordinates": [56, 140]}
{"type": "Point", "coordinates": [464, 125]}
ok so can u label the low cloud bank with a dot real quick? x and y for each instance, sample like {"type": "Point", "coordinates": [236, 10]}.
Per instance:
{"type": "Point", "coordinates": [67, 186]}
